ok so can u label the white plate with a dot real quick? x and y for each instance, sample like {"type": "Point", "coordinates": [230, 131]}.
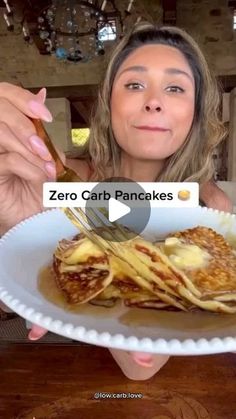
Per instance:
{"type": "Point", "coordinates": [29, 246]}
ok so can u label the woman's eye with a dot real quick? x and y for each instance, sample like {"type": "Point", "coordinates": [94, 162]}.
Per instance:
{"type": "Point", "coordinates": [175, 89]}
{"type": "Point", "coordinates": [134, 86]}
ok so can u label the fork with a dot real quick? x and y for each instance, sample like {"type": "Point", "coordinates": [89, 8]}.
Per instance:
{"type": "Point", "coordinates": [126, 254]}
{"type": "Point", "coordinates": [111, 246]}
{"type": "Point", "coordinates": [81, 220]}
{"type": "Point", "coordinates": [64, 173]}
{"type": "Point", "coordinates": [78, 218]}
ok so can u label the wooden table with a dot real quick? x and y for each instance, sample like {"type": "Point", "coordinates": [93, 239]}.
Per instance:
{"type": "Point", "coordinates": [59, 381]}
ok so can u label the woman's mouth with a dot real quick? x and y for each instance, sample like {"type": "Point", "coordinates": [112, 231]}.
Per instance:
{"type": "Point", "coordinates": [151, 128]}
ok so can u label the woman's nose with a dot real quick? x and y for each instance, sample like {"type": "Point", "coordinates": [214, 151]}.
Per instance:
{"type": "Point", "coordinates": [153, 105]}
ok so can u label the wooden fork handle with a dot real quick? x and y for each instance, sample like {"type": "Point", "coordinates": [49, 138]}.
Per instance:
{"type": "Point", "coordinates": [42, 133]}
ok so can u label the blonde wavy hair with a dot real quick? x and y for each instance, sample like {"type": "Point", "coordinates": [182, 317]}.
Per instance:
{"type": "Point", "coordinates": [193, 161]}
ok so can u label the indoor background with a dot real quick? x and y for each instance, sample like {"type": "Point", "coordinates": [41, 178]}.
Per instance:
{"type": "Point", "coordinates": [72, 66]}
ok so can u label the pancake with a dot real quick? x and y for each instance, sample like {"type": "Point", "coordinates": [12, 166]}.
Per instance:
{"type": "Point", "coordinates": [193, 268]}
{"type": "Point", "coordinates": [216, 278]}
{"type": "Point", "coordinates": [219, 274]}
{"type": "Point", "coordinates": [139, 281]}
{"type": "Point", "coordinates": [157, 267]}
{"type": "Point", "coordinates": [80, 269]}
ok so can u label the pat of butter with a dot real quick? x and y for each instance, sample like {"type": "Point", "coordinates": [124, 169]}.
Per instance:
{"type": "Point", "coordinates": [185, 256]}
{"type": "Point", "coordinates": [81, 253]}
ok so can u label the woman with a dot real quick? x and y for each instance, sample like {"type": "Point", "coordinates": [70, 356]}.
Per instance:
{"type": "Point", "coordinates": [156, 120]}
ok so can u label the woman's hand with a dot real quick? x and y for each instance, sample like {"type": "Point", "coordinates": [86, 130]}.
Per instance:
{"type": "Point", "coordinates": [138, 365]}
{"type": "Point", "coordinates": [215, 198]}
{"type": "Point", "coordinates": [25, 163]}
{"type": "Point", "coordinates": [134, 365]}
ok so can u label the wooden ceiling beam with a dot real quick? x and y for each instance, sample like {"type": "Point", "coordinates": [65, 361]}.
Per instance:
{"type": "Point", "coordinates": [227, 82]}
{"type": "Point", "coordinates": [232, 4]}
{"type": "Point", "coordinates": [169, 12]}
{"type": "Point", "coordinates": [83, 111]}
{"type": "Point", "coordinates": [73, 93]}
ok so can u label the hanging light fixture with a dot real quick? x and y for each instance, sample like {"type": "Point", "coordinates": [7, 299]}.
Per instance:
{"type": "Point", "coordinates": [73, 30]}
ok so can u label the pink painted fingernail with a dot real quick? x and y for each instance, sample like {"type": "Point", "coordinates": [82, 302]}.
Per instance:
{"type": "Point", "coordinates": [36, 332]}
{"type": "Point", "coordinates": [144, 363]}
{"type": "Point", "coordinates": [40, 111]}
{"type": "Point", "coordinates": [42, 93]}
{"type": "Point", "coordinates": [34, 336]}
{"type": "Point", "coordinates": [51, 170]}
{"type": "Point", "coordinates": [39, 147]}
{"type": "Point", "coordinates": [146, 360]}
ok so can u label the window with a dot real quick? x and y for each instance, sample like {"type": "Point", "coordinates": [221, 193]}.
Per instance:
{"type": "Point", "coordinates": [79, 136]}
{"type": "Point", "coordinates": [107, 32]}
{"type": "Point", "coordinates": [234, 21]}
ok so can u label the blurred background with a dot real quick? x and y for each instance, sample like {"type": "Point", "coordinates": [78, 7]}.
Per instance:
{"type": "Point", "coordinates": [64, 45]}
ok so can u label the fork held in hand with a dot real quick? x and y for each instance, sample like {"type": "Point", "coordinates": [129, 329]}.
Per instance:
{"type": "Point", "coordinates": [95, 219]}
{"type": "Point", "coordinates": [64, 174]}
{"type": "Point", "coordinates": [112, 246]}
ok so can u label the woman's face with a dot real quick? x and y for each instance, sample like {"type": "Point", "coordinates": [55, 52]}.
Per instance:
{"type": "Point", "coordinates": [152, 102]}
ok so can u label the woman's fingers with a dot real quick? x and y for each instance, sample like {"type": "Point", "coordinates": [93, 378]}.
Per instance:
{"type": "Point", "coordinates": [142, 358]}
{"type": "Point", "coordinates": [14, 102]}
{"type": "Point", "coordinates": [18, 123]}
{"type": "Point", "coordinates": [25, 101]}
{"type": "Point", "coordinates": [152, 361]}
{"type": "Point", "coordinates": [14, 152]}
{"type": "Point", "coordinates": [12, 116]}
{"type": "Point", "coordinates": [138, 365]}
{"type": "Point", "coordinates": [10, 143]}
{"type": "Point", "coordinates": [36, 332]}
{"type": "Point", "coordinates": [16, 164]}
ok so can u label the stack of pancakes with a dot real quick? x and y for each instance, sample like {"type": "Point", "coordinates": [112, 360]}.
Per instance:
{"type": "Point", "coordinates": [151, 275]}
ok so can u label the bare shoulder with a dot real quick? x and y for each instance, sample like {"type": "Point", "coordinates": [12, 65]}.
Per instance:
{"type": "Point", "coordinates": [214, 197]}
{"type": "Point", "coordinates": [81, 167]}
